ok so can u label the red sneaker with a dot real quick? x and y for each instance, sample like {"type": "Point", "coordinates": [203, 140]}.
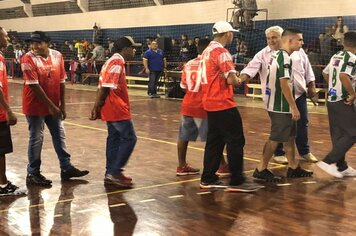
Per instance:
{"type": "Point", "coordinates": [223, 171]}
{"type": "Point", "coordinates": [187, 170]}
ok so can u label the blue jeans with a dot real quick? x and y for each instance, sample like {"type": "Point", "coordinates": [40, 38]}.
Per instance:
{"type": "Point", "coordinates": [302, 129]}
{"type": "Point", "coordinates": [56, 128]}
{"type": "Point", "coordinates": [120, 143]}
{"type": "Point", "coordinates": [153, 80]}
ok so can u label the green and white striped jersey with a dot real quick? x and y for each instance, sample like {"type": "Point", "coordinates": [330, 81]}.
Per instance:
{"type": "Point", "coordinates": [280, 67]}
{"type": "Point", "coordinates": [341, 62]}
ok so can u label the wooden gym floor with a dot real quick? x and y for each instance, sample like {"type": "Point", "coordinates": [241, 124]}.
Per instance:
{"type": "Point", "coordinates": [162, 203]}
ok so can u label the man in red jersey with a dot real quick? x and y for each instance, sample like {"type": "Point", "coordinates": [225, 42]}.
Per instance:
{"type": "Point", "coordinates": [193, 121]}
{"type": "Point", "coordinates": [224, 120]}
{"type": "Point", "coordinates": [7, 118]}
{"type": "Point", "coordinates": [43, 103]}
{"type": "Point", "coordinates": [112, 105]}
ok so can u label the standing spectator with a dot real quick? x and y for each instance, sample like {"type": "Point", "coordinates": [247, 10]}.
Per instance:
{"type": "Point", "coordinates": [155, 63]}
{"type": "Point", "coordinates": [224, 120]}
{"type": "Point", "coordinates": [245, 8]}
{"type": "Point", "coordinates": [98, 58]}
{"type": "Point", "coordinates": [303, 82]}
{"type": "Point", "coordinates": [341, 77]}
{"type": "Point", "coordinates": [7, 118]}
{"type": "Point", "coordinates": [112, 105]}
{"type": "Point", "coordinates": [43, 102]}
{"type": "Point", "coordinates": [17, 64]}
{"type": "Point", "coordinates": [192, 48]}
{"type": "Point", "coordinates": [282, 108]}
{"type": "Point", "coordinates": [339, 29]}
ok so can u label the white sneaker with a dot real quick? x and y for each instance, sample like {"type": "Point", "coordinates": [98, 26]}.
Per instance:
{"type": "Point", "coordinates": [349, 172]}
{"type": "Point", "coordinates": [280, 159]}
{"type": "Point", "coordinates": [331, 169]}
{"type": "Point", "coordinates": [309, 157]}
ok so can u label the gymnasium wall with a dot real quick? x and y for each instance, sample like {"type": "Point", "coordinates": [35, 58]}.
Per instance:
{"type": "Point", "coordinates": [194, 19]}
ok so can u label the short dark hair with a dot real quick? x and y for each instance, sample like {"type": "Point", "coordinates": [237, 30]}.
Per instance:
{"type": "Point", "coordinates": [202, 44]}
{"type": "Point", "coordinates": [350, 39]}
{"type": "Point", "coordinates": [291, 31]}
{"type": "Point", "coordinates": [124, 42]}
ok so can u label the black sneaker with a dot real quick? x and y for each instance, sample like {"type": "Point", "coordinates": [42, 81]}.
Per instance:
{"type": "Point", "coordinates": [298, 173]}
{"type": "Point", "coordinates": [11, 190]}
{"type": "Point", "coordinates": [73, 172]}
{"type": "Point", "coordinates": [38, 180]}
{"type": "Point", "coordinates": [215, 184]}
{"type": "Point", "coordinates": [246, 187]}
{"type": "Point", "coordinates": [266, 175]}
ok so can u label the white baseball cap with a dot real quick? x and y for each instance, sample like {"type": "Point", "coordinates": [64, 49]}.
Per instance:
{"type": "Point", "coordinates": [223, 27]}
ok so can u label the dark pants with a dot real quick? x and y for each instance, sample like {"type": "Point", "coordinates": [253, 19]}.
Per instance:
{"type": "Point", "coordinates": [153, 80]}
{"type": "Point", "coordinates": [224, 127]}
{"type": "Point", "coordinates": [342, 123]}
{"type": "Point", "coordinates": [120, 143]}
{"type": "Point", "coordinates": [302, 129]}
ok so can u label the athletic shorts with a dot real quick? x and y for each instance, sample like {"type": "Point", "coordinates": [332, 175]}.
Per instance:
{"type": "Point", "coordinates": [5, 139]}
{"type": "Point", "coordinates": [282, 127]}
{"type": "Point", "coordinates": [191, 128]}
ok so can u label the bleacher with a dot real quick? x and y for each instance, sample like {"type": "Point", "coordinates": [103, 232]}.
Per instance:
{"type": "Point", "coordinates": [101, 5]}
{"type": "Point", "coordinates": [167, 2]}
{"type": "Point", "coordinates": [11, 13]}
{"type": "Point", "coordinates": [56, 8]}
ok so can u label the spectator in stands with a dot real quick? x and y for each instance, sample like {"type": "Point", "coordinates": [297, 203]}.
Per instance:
{"type": "Point", "coordinates": [44, 103]}
{"type": "Point", "coordinates": [339, 29]}
{"type": "Point", "coordinates": [112, 105]}
{"type": "Point", "coordinates": [7, 118]}
{"type": "Point", "coordinates": [303, 82]}
{"type": "Point", "coordinates": [173, 54]}
{"type": "Point", "coordinates": [9, 55]}
{"type": "Point", "coordinates": [155, 63]}
{"type": "Point", "coordinates": [241, 52]}
{"type": "Point", "coordinates": [98, 57]}
{"type": "Point", "coordinates": [245, 8]}
{"type": "Point", "coordinates": [184, 48]}
{"type": "Point", "coordinates": [17, 63]}
{"type": "Point", "coordinates": [79, 45]}
{"type": "Point", "coordinates": [196, 41]}
{"type": "Point", "coordinates": [192, 49]}
{"type": "Point", "coordinates": [341, 77]}
{"type": "Point", "coordinates": [328, 46]}
{"type": "Point", "coordinates": [110, 44]}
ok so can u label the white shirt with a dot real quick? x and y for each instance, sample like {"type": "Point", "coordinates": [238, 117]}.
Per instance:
{"type": "Point", "coordinates": [302, 71]}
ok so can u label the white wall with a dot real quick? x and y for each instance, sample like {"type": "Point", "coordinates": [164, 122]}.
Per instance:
{"type": "Point", "coordinates": [192, 13]}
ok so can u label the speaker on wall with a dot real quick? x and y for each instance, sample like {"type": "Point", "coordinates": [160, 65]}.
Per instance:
{"type": "Point", "coordinates": [165, 43]}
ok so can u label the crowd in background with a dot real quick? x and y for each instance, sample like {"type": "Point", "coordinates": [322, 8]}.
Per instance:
{"type": "Point", "coordinates": [83, 56]}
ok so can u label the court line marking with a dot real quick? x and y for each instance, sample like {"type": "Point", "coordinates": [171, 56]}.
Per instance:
{"type": "Point", "coordinates": [204, 193]}
{"type": "Point", "coordinates": [58, 215]}
{"type": "Point", "coordinates": [148, 200]}
{"type": "Point", "coordinates": [49, 203]}
{"type": "Point", "coordinates": [310, 182]}
{"type": "Point", "coordinates": [176, 196]}
{"type": "Point", "coordinates": [157, 140]}
{"type": "Point", "coordinates": [285, 184]}
{"type": "Point", "coordinates": [118, 205]}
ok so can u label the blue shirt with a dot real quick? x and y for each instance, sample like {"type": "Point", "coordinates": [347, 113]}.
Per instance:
{"type": "Point", "coordinates": [155, 59]}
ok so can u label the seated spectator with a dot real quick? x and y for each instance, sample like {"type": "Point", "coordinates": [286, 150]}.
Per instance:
{"type": "Point", "coordinates": [328, 46]}
{"type": "Point", "coordinates": [192, 49]}
{"type": "Point", "coordinates": [184, 48]}
{"type": "Point", "coordinates": [339, 29]}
